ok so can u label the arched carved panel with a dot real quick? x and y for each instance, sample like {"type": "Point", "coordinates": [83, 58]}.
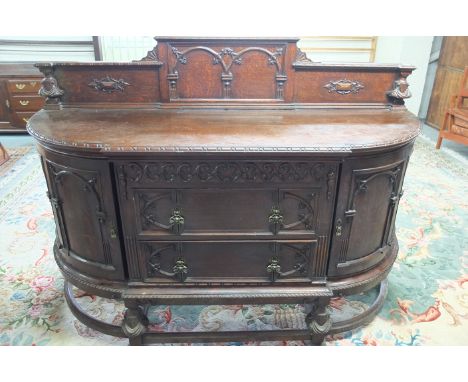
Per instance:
{"type": "Point", "coordinates": [202, 72]}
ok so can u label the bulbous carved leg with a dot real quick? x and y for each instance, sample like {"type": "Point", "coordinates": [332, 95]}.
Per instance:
{"type": "Point", "coordinates": [318, 319]}
{"type": "Point", "coordinates": [134, 323]}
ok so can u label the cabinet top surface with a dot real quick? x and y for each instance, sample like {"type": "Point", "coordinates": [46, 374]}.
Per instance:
{"type": "Point", "coordinates": [191, 130]}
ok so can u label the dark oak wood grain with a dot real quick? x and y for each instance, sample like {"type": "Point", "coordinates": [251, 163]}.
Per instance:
{"type": "Point", "coordinates": [224, 171]}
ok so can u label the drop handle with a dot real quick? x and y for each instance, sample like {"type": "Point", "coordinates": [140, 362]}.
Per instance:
{"type": "Point", "coordinates": [275, 219]}
{"type": "Point", "coordinates": [180, 269]}
{"type": "Point", "coordinates": [24, 102]}
{"type": "Point", "coordinates": [274, 269]}
{"type": "Point", "coordinates": [177, 221]}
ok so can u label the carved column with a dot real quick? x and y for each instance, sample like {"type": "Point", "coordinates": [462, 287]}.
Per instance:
{"type": "Point", "coordinates": [318, 319]}
{"type": "Point", "coordinates": [134, 323]}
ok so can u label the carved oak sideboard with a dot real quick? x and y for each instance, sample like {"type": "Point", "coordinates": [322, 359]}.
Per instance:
{"type": "Point", "coordinates": [224, 171]}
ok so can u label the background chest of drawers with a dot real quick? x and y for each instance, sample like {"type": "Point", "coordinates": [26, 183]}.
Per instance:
{"type": "Point", "coordinates": [19, 99]}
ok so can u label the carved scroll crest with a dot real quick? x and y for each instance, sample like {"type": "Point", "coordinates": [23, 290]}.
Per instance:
{"type": "Point", "coordinates": [301, 58]}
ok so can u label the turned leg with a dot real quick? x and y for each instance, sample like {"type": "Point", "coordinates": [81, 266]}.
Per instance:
{"type": "Point", "coordinates": [134, 323]}
{"type": "Point", "coordinates": [318, 319]}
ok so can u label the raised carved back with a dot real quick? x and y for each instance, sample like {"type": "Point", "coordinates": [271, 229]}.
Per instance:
{"type": "Point", "coordinates": [213, 72]}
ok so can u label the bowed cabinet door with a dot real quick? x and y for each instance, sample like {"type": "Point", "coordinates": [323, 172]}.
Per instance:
{"type": "Point", "coordinates": [80, 192]}
{"type": "Point", "coordinates": [364, 227]}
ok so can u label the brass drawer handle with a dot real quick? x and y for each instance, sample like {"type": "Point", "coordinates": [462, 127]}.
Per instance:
{"type": "Point", "coordinates": [25, 119]}
{"type": "Point", "coordinates": [275, 219]}
{"type": "Point", "coordinates": [20, 86]}
{"type": "Point", "coordinates": [180, 269]}
{"type": "Point", "coordinates": [177, 221]}
{"type": "Point", "coordinates": [274, 269]}
{"type": "Point", "coordinates": [24, 102]}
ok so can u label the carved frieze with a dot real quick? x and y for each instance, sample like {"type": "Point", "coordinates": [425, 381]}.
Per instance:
{"type": "Point", "coordinates": [344, 86]}
{"type": "Point", "coordinates": [227, 172]}
{"type": "Point", "coordinates": [108, 84]}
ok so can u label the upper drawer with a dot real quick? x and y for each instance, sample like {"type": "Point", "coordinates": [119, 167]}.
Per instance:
{"type": "Point", "coordinates": [26, 85]}
{"type": "Point", "coordinates": [225, 198]}
{"type": "Point", "coordinates": [216, 211]}
{"type": "Point", "coordinates": [26, 103]}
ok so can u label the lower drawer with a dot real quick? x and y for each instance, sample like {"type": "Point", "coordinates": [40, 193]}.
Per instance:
{"type": "Point", "coordinates": [19, 119]}
{"type": "Point", "coordinates": [256, 261]}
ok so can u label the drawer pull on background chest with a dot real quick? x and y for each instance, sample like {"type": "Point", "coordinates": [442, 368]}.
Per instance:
{"type": "Point", "coordinates": [20, 86]}
{"type": "Point", "coordinates": [176, 221]}
{"type": "Point", "coordinates": [24, 102]}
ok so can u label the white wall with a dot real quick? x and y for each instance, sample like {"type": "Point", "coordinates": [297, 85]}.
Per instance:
{"type": "Point", "coordinates": [17, 48]}
{"type": "Point", "coordinates": [125, 48]}
{"type": "Point", "coordinates": [408, 50]}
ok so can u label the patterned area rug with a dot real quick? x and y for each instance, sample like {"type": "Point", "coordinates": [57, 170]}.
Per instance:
{"type": "Point", "coordinates": [427, 302]}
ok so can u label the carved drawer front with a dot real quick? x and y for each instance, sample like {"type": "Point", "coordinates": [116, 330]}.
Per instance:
{"type": "Point", "coordinates": [26, 103]}
{"type": "Point", "coordinates": [27, 85]}
{"type": "Point", "coordinates": [228, 261]}
{"type": "Point", "coordinates": [223, 211]}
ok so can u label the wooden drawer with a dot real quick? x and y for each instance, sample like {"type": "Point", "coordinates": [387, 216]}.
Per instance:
{"type": "Point", "coordinates": [228, 261]}
{"type": "Point", "coordinates": [19, 119]}
{"type": "Point", "coordinates": [26, 103]}
{"type": "Point", "coordinates": [217, 211]}
{"type": "Point", "coordinates": [26, 85]}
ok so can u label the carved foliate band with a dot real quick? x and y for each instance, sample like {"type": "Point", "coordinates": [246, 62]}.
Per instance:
{"type": "Point", "coordinates": [227, 172]}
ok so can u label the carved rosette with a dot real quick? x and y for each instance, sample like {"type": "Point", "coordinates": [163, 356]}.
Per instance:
{"type": "Point", "coordinates": [400, 89]}
{"type": "Point", "coordinates": [227, 57]}
{"type": "Point", "coordinates": [108, 84]}
{"type": "Point", "coordinates": [344, 87]}
{"type": "Point", "coordinates": [49, 87]}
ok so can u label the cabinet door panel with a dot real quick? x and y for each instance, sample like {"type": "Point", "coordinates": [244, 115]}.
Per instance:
{"type": "Point", "coordinates": [81, 196]}
{"type": "Point", "coordinates": [370, 189]}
